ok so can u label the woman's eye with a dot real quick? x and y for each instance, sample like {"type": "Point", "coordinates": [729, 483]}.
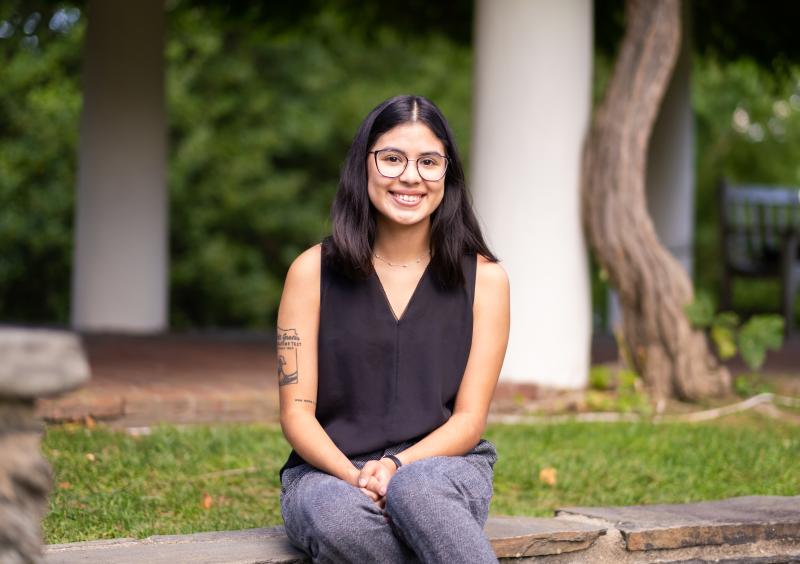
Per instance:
{"type": "Point", "coordinates": [392, 158]}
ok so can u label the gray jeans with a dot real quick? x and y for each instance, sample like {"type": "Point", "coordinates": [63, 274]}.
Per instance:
{"type": "Point", "coordinates": [435, 511]}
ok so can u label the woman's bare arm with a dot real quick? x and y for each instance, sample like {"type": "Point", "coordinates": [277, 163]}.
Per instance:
{"type": "Point", "coordinates": [298, 327]}
{"type": "Point", "coordinates": [491, 323]}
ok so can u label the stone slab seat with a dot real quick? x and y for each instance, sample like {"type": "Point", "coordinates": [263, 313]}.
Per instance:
{"type": "Point", "coordinates": [738, 520]}
{"type": "Point", "coordinates": [743, 530]}
{"type": "Point", "coordinates": [510, 536]}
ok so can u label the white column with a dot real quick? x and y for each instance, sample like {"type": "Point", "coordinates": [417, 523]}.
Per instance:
{"type": "Point", "coordinates": [670, 169]}
{"type": "Point", "coordinates": [532, 92]}
{"type": "Point", "coordinates": [121, 257]}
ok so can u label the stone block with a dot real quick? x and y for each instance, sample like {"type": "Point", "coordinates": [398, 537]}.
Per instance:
{"type": "Point", "coordinates": [515, 537]}
{"type": "Point", "coordinates": [251, 546]}
{"type": "Point", "coordinates": [25, 480]}
{"type": "Point", "coordinates": [738, 520]}
{"type": "Point", "coordinates": [37, 362]}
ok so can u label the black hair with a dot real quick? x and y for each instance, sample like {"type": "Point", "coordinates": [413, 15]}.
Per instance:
{"type": "Point", "coordinates": [454, 228]}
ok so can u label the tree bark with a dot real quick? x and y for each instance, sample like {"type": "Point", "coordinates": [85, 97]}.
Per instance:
{"type": "Point", "coordinates": [653, 288]}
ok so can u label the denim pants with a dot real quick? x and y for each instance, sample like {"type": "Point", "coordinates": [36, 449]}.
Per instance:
{"type": "Point", "coordinates": [435, 511]}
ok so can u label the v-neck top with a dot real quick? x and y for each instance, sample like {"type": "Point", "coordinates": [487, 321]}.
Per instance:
{"type": "Point", "coordinates": [383, 380]}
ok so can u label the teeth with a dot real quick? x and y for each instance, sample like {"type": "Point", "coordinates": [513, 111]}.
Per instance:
{"type": "Point", "coordinates": [408, 198]}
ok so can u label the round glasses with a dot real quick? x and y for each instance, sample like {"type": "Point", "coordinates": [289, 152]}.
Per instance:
{"type": "Point", "coordinates": [391, 163]}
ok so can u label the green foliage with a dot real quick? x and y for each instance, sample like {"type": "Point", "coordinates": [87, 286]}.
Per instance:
{"type": "Point", "coordinates": [748, 385]}
{"type": "Point", "coordinates": [260, 121]}
{"type": "Point", "coordinates": [618, 390]}
{"type": "Point", "coordinates": [759, 334]}
{"type": "Point", "coordinates": [748, 130]}
{"type": "Point", "coordinates": [751, 340]}
{"type": "Point", "coordinates": [600, 377]}
{"type": "Point", "coordinates": [701, 311]}
{"type": "Point", "coordinates": [723, 332]}
{"type": "Point", "coordinates": [261, 115]}
{"type": "Point", "coordinates": [40, 101]}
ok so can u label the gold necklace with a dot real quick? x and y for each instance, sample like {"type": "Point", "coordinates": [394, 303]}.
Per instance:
{"type": "Point", "coordinates": [379, 257]}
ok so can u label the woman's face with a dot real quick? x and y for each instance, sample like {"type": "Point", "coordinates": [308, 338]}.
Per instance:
{"type": "Point", "coordinates": [407, 199]}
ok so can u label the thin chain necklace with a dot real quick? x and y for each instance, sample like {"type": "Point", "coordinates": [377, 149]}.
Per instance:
{"type": "Point", "coordinates": [379, 257]}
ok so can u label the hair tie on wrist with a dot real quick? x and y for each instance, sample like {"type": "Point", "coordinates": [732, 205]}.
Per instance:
{"type": "Point", "coordinates": [394, 459]}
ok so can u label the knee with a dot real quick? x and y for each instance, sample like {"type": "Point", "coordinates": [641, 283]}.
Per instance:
{"type": "Point", "coordinates": [413, 487]}
{"type": "Point", "coordinates": [323, 512]}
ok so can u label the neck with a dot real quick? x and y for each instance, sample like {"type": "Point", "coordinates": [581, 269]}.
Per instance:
{"type": "Point", "coordinates": [401, 243]}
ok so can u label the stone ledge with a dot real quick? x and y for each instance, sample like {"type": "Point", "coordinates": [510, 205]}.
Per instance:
{"type": "Point", "coordinates": [515, 537]}
{"type": "Point", "coordinates": [668, 534]}
{"type": "Point", "coordinates": [738, 520]}
{"type": "Point", "coordinates": [511, 537]}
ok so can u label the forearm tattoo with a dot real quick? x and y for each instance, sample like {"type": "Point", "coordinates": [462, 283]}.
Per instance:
{"type": "Point", "coordinates": [288, 343]}
{"type": "Point", "coordinates": [308, 401]}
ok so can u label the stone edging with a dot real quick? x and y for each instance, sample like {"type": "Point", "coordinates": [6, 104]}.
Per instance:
{"type": "Point", "coordinates": [754, 530]}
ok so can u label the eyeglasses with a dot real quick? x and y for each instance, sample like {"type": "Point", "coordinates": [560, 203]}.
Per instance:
{"type": "Point", "coordinates": [391, 163]}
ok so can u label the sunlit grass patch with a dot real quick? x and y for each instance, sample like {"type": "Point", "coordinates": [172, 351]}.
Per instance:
{"type": "Point", "coordinates": [188, 479]}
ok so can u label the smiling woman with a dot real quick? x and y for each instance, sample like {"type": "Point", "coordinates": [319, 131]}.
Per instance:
{"type": "Point", "coordinates": [399, 323]}
{"type": "Point", "coordinates": [399, 192]}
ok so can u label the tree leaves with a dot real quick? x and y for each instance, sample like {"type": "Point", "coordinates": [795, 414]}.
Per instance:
{"type": "Point", "coordinates": [759, 334]}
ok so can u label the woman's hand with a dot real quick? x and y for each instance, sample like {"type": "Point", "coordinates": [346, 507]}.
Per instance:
{"type": "Point", "coordinates": [374, 479]}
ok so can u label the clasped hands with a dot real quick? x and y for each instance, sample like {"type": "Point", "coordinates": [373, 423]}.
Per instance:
{"type": "Point", "coordinates": [373, 479]}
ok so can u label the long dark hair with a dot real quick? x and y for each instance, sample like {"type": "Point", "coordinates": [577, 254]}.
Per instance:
{"type": "Point", "coordinates": [454, 229]}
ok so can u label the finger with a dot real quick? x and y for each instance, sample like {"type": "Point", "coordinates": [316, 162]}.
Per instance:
{"type": "Point", "coordinates": [380, 485]}
{"type": "Point", "coordinates": [372, 485]}
{"type": "Point", "coordinates": [382, 477]}
{"type": "Point", "coordinates": [370, 494]}
{"type": "Point", "coordinates": [367, 471]}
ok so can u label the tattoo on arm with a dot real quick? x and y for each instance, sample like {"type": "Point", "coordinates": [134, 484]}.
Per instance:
{"type": "Point", "coordinates": [298, 400]}
{"type": "Point", "coordinates": [288, 343]}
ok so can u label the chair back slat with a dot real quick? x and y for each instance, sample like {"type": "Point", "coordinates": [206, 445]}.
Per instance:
{"type": "Point", "coordinates": [755, 217]}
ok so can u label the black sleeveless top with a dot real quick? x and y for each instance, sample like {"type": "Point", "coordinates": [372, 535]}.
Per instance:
{"type": "Point", "coordinates": [383, 380]}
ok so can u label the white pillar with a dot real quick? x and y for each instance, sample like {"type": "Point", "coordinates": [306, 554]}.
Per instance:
{"type": "Point", "coordinates": [120, 260]}
{"type": "Point", "coordinates": [670, 169]}
{"type": "Point", "coordinates": [532, 106]}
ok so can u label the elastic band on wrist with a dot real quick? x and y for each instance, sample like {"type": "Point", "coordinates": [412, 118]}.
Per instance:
{"type": "Point", "coordinates": [394, 459]}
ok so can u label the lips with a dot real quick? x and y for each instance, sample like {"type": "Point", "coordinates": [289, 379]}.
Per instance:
{"type": "Point", "coordinates": [406, 199]}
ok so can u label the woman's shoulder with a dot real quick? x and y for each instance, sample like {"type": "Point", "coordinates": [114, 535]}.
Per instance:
{"type": "Point", "coordinates": [489, 274]}
{"type": "Point", "coordinates": [305, 269]}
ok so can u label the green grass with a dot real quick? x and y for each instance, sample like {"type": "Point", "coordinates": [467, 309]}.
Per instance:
{"type": "Point", "coordinates": [156, 484]}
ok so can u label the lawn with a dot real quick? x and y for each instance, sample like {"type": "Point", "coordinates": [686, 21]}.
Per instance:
{"type": "Point", "coordinates": [180, 480]}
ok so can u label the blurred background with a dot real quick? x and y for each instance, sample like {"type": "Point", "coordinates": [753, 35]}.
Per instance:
{"type": "Point", "coordinates": [262, 100]}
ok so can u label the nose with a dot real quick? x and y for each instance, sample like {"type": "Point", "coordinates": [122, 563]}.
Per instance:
{"type": "Point", "coordinates": [411, 174]}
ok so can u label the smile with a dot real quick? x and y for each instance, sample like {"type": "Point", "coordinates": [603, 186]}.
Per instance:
{"type": "Point", "coordinates": [407, 200]}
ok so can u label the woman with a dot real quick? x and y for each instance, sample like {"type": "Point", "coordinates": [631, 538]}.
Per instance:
{"type": "Point", "coordinates": [391, 335]}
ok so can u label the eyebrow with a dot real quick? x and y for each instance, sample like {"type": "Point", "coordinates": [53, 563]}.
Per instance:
{"type": "Point", "coordinates": [423, 154]}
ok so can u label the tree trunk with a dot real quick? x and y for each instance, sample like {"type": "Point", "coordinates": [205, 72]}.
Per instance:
{"type": "Point", "coordinates": [653, 288]}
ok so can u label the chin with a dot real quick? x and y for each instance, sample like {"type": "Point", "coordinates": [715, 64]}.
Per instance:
{"type": "Point", "coordinates": [404, 220]}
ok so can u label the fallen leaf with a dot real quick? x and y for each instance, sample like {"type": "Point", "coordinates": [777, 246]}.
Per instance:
{"type": "Point", "coordinates": [208, 501]}
{"type": "Point", "coordinates": [90, 457]}
{"type": "Point", "coordinates": [64, 485]}
{"type": "Point", "coordinates": [548, 476]}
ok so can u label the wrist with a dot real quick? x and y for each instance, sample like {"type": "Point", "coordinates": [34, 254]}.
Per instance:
{"type": "Point", "coordinates": [351, 476]}
{"type": "Point", "coordinates": [391, 461]}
